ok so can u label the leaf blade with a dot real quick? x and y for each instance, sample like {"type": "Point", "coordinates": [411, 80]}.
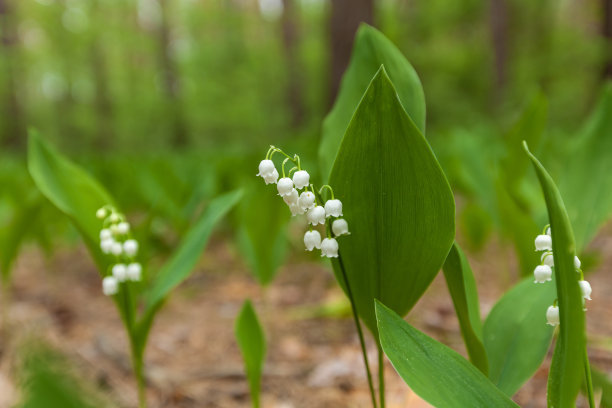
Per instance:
{"type": "Point", "coordinates": [252, 343]}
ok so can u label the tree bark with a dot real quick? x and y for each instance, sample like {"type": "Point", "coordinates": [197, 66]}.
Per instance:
{"type": "Point", "coordinates": [346, 15]}
{"type": "Point", "coordinates": [13, 132]}
{"type": "Point", "coordinates": [294, 80]}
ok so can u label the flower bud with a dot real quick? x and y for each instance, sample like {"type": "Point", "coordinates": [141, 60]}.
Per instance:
{"type": "Point", "coordinates": [542, 273]}
{"type": "Point", "coordinates": [306, 200]}
{"type": "Point", "coordinates": [329, 248]}
{"type": "Point", "coordinates": [291, 198]}
{"type": "Point", "coordinates": [110, 285]}
{"type": "Point", "coordinates": [266, 167]}
{"type": "Point", "coordinates": [101, 213]}
{"type": "Point", "coordinates": [116, 248]}
{"type": "Point", "coordinates": [301, 178]}
{"type": "Point", "coordinates": [312, 239]}
{"type": "Point", "coordinates": [543, 243]}
{"type": "Point", "coordinates": [134, 271]}
{"type": "Point", "coordinates": [316, 215]}
{"type": "Point", "coordinates": [130, 247]}
{"type": "Point", "coordinates": [114, 217]}
{"type": "Point", "coordinates": [106, 245]}
{"type": "Point", "coordinates": [120, 272]}
{"type": "Point", "coordinates": [123, 227]}
{"type": "Point", "coordinates": [340, 227]}
{"type": "Point", "coordinates": [271, 178]}
{"type": "Point", "coordinates": [333, 208]}
{"type": "Point", "coordinates": [284, 186]}
{"type": "Point", "coordinates": [552, 315]}
{"type": "Point", "coordinates": [105, 234]}
{"type": "Point", "coordinates": [548, 259]}
{"type": "Point", "coordinates": [577, 263]}
{"type": "Point", "coordinates": [585, 288]}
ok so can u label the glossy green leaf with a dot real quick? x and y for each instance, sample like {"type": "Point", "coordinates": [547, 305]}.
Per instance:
{"type": "Point", "coordinates": [432, 370]}
{"type": "Point", "coordinates": [185, 258]}
{"type": "Point", "coordinates": [70, 188]}
{"type": "Point", "coordinates": [516, 336]}
{"type": "Point", "coordinates": [566, 370]}
{"type": "Point", "coordinates": [589, 203]}
{"type": "Point", "coordinates": [397, 202]}
{"type": "Point", "coordinates": [252, 343]}
{"type": "Point", "coordinates": [462, 287]}
{"type": "Point", "coordinates": [371, 50]}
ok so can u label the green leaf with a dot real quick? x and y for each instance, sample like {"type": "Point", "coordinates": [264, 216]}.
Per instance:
{"type": "Point", "coordinates": [185, 258]}
{"type": "Point", "coordinates": [566, 370]}
{"type": "Point", "coordinates": [252, 343]}
{"type": "Point", "coordinates": [589, 203]}
{"type": "Point", "coordinates": [435, 372]}
{"type": "Point", "coordinates": [396, 201]}
{"type": "Point", "coordinates": [602, 382]}
{"type": "Point", "coordinates": [462, 287]}
{"type": "Point", "coordinates": [371, 50]}
{"type": "Point", "coordinates": [71, 189]}
{"type": "Point", "coordinates": [516, 336]}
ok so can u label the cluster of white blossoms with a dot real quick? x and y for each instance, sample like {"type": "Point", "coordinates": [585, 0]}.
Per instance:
{"type": "Point", "coordinates": [302, 198]}
{"type": "Point", "coordinates": [115, 240]}
{"type": "Point", "coordinates": [543, 273]}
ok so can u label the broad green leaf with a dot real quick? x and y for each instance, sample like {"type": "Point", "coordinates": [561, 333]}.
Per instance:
{"type": "Point", "coordinates": [516, 336]}
{"type": "Point", "coordinates": [432, 370]}
{"type": "Point", "coordinates": [397, 202]}
{"type": "Point", "coordinates": [603, 383]}
{"type": "Point", "coordinates": [252, 343]}
{"type": "Point", "coordinates": [70, 189]}
{"type": "Point", "coordinates": [589, 203]}
{"type": "Point", "coordinates": [566, 370]}
{"type": "Point", "coordinates": [185, 258]}
{"type": "Point", "coordinates": [261, 235]}
{"type": "Point", "coordinates": [371, 50]}
{"type": "Point", "coordinates": [462, 287]}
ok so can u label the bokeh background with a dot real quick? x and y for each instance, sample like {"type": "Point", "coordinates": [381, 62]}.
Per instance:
{"type": "Point", "coordinates": [171, 102]}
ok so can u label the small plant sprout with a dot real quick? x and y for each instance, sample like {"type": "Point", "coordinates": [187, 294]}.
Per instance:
{"type": "Point", "coordinates": [309, 202]}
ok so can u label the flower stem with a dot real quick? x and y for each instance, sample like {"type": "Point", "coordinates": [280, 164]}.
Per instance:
{"type": "Point", "coordinates": [359, 331]}
{"type": "Point", "coordinates": [381, 376]}
{"type": "Point", "coordinates": [589, 380]}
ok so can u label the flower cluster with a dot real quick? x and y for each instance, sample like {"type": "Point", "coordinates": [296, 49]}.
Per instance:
{"type": "Point", "coordinates": [116, 240]}
{"type": "Point", "coordinates": [302, 198]}
{"type": "Point", "coordinates": [543, 273]}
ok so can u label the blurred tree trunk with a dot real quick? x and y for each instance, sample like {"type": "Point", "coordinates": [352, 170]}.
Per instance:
{"type": "Point", "coordinates": [607, 34]}
{"type": "Point", "coordinates": [346, 15]}
{"type": "Point", "coordinates": [294, 81]}
{"type": "Point", "coordinates": [170, 79]}
{"type": "Point", "coordinates": [499, 37]}
{"type": "Point", "coordinates": [12, 132]}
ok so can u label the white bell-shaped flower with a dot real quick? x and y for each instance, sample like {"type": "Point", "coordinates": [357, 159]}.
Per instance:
{"type": "Point", "coordinates": [116, 248]}
{"type": "Point", "coordinates": [548, 259]}
{"type": "Point", "coordinates": [552, 315]}
{"type": "Point", "coordinates": [312, 239]}
{"type": "Point", "coordinates": [577, 263]}
{"type": "Point", "coordinates": [110, 285]}
{"type": "Point", "coordinates": [106, 245]}
{"type": "Point", "coordinates": [266, 168]}
{"type": "Point", "coordinates": [291, 198]}
{"type": "Point", "coordinates": [301, 178]}
{"type": "Point", "coordinates": [333, 208]}
{"type": "Point", "coordinates": [120, 272]}
{"type": "Point", "coordinates": [306, 200]}
{"type": "Point", "coordinates": [329, 248]}
{"type": "Point", "coordinates": [296, 209]}
{"type": "Point", "coordinates": [340, 227]}
{"type": "Point", "coordinates": [101, 213]}
{"type": "Point", "coordinates": [284, 186]}
{"type": "Point", "coordinates": [585, 288]}
{"type": "Point", "coordinates": [114, 218]}
{"type": "Point", "coordinates": [271, 178]}
{"type": "Point", "coordinates": [542, 273]}
{"type": "Point", "coordinates": [105, 233]}
{"type": "Point", "coordinates": [543, 243]}
{"type": "Point", "coordinates": [123, 228]}
{"type": "Point", "coordinates": [316, 215]}
{"type": "Point", "coordinates": [134, 271]}
{"type": "Point", "coordinates": [130, 247]}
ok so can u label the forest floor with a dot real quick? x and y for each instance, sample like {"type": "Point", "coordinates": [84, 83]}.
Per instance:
{"type": "Point", "coordinates": [192, 360]}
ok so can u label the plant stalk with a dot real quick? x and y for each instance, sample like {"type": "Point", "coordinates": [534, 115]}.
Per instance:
{"type": "Point", "coordinates": [589, 380]}
{"type": "Point", "coordinates": [381, 376]}
{"type": "Point", "coordinates": [359, 332]}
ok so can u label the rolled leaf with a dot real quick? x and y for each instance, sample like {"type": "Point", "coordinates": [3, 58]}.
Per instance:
{"type": "Point", "coordinates": [252, 343]}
